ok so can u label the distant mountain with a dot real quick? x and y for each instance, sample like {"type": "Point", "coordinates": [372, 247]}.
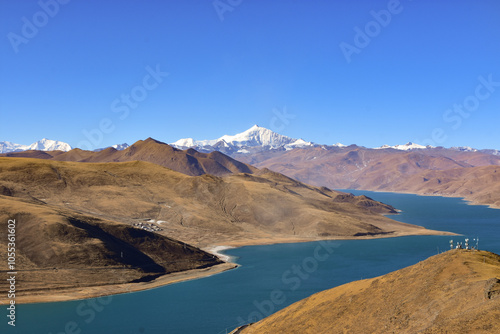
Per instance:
{"type": "Point", "coordinates": [492, 152]}
{"type": "Point", "coordinates": [253, 140]}
{"type": "Point", "coordinates": [7, 146]}
{"type": "Point", "coordinates": [260, 140]}
{"type": "Point", "coordinates": [406, 147]}
{"type": "Point", "coordinates": [118, 147]}
{"type": "Point", "coordinates": [451, 172]}
{"type": "Point", "coordinates": [41, 145]}
{"type": "Point", "coordinates": [50, 145]}
{"type": "Point", "coordinates": [464, 149]}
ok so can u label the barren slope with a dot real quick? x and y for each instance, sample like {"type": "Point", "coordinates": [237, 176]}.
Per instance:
{"type": "Point", "coordinates": [480, 185]}
{"type": "Point", "coordinates": [454, 292]}
{"type": "Point", "coordinates": [58, 250]}
{"type": "Point", "coordinates": [390, 170]}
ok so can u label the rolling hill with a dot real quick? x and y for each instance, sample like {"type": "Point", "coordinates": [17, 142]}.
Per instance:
{"type": "Point", "coordinates": [453, 292]}
{"type": "Point", "coordinates": [62, 254]}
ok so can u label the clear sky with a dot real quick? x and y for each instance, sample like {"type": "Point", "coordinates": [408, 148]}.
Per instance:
{"type": "Point", "coordinates": [97, 73]}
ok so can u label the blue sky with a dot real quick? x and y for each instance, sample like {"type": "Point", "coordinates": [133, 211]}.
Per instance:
{"type": "Point", "coordinates": [364, 72]}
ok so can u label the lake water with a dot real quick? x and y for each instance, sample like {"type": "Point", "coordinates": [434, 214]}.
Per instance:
{"type": "Point", "coordinates": [270, 277]}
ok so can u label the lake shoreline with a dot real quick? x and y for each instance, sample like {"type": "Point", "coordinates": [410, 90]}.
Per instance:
{"type": "Point", "coordinates": [97, 291]}
{"type": "Point", "coordinates": [464, 198]}
{"type": "Point", "coordinates": [80, 293]}
{"type": "Point", "coordinates": [214, 303]}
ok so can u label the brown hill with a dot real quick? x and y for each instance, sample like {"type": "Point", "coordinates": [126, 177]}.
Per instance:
{"type": "Point", "coordinates": [356, 167]}
{"type": "Point", "coordinates": [480, 185]}
{"type": "Point", "coordinates": [201, 210]}
{"type": "Point", "coordinates": [189, 161]}
{"type": "Point", "coordinates": [453, 292]}
{"type": "Point", "coordinates": [58, 250]}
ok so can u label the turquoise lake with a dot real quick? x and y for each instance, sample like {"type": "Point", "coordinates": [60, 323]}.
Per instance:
{"type": "Point", "coordinates": [269, 278]}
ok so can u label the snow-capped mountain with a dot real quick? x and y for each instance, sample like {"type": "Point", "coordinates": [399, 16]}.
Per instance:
{"type": "Point", "coordinates": [256, 139]}
{"type": "Point", "coordinates": [471, 149]}
{"type": "Point", "coordinates": [252, 140]}
{"type": "Point", "coordinates": [490, 151]}
{"type": "Point", "coordinates": [119, 147]}
{"type": "Point", "coordinates": [41, 145]}
{"type": "Point", "coordinates": [464, 149]}
{"type": "Point", "coordinates": [406, 147]}
{"type": "Point", "coordinates": [7, 146]}
{"type": "Point", "coordinates": [50, 145]}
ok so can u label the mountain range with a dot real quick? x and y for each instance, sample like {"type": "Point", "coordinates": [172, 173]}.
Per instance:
{"type": "Point", "coordinates": [41, 145]}
{"type": "Point", "coordinates": [254, 140]}
{"type": "Point", "coordinates": [473, 175]}
{"type": "Point", "coordinates": [457, 171]}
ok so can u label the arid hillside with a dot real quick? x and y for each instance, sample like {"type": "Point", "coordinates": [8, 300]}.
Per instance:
{"type": "Point", "coordinates": [199, 210]}
{"type": "Point", "coordinates": [59, 250]}
{"type": "Point", "coordinates": [429, 172]}
{"type": "Point", "coordinates": [453, 292]}
{"type": "Point", "coordinates": [480, 185]}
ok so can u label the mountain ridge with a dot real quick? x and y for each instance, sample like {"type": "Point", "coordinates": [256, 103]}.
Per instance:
{"type": "Point", "coordinates": [251, 140]}
{"type": "Point", "coordinates": [190, 161]}
{"type": "Point", "coordinates": [254, 137]}
{"type": "Point", "coordinates": [432, 171]}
